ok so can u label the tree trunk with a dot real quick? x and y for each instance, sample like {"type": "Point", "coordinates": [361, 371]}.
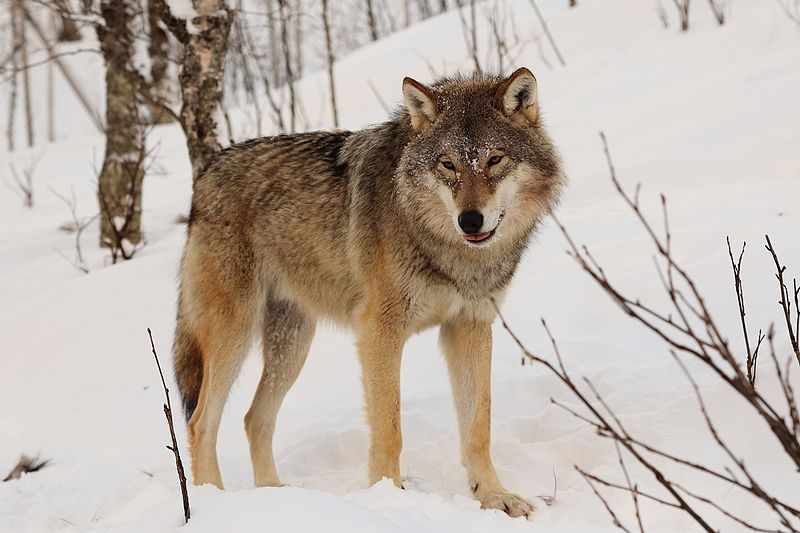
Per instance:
{"type": "Point", "coordinates": [12, 97]}
{"type": "Point", "coordinates": [158, 50]}
{"type": "Point", "coordinates": [329, 48]}
{"type": "Point", "coordinates": [274, 45]}
{"type": "Point", "coordinates": [119, 187]}
{"type": "Point", "coordinates": [287, 60]}
{"type": "Point", "coordinates": [201, 80]}
{"type": "Point", "coordinates": [26, 81]}
{"type": "Point", "coordinates": [373, 24]}
{"type": "Point", "coordinates": [298, 39]}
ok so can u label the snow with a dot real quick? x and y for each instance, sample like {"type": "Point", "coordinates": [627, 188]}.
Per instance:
{"type": "Point", "coordinates": [709, 117]}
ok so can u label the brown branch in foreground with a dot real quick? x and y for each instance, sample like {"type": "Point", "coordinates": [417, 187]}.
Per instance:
{"type": "Point", "coordinates": [174, 448]}
{"type": "Point", "coordinates": [687, 328]}
{"type": "Point", "coordinates": [752, 354]}
{"type": "Point", "coordinates": [786, 300]}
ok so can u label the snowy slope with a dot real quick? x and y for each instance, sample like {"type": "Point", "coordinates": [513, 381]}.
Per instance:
{"type": "Point", "coordinates": [710, 118]}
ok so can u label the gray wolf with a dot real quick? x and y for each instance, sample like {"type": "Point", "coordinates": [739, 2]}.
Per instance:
{"type": "Point", "coordinates": [417, 222]}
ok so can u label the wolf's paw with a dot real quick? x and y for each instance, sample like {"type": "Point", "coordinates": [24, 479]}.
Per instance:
{"type": "Point", "coordinates": [509, 503]}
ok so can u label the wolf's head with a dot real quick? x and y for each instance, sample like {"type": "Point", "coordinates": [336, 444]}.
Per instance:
{"type": "Point", "coordinates": [480, 167]}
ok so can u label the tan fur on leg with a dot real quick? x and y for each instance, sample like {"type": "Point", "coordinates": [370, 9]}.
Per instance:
{"type": "Point", "coordinates": [380, 342]}
{"type": "Point", "coordinates": [468, 348]}
{"type": "Point", "coordinates": [287, 337]}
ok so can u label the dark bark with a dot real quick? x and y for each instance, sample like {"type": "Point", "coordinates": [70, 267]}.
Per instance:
{"type": "Point", "coordinates": [158, 50]}
{"type": "Point", "coordinates": [371, 21]}
{"type": "Point", "coordinates": [119, 186]}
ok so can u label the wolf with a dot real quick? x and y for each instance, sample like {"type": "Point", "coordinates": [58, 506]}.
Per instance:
{"type": "Point", "coordinates": [417, 222]}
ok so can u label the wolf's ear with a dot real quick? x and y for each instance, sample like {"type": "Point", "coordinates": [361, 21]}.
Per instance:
{"type": "Point", "coordinates": [421, 104]}
{"type": "Point", "coordinates": [516, 96]}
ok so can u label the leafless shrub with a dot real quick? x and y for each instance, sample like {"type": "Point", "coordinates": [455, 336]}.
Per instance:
{"type": "Point", "coordinates": [121, 212]}
{"type": "Point", "coordinates": [22, 181]}
{"type": "Point", "coordinates": [688, 330]}
{"type": "Point", "coordinates": [76, 225]}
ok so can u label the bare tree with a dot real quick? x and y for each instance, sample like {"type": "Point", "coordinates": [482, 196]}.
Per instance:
{"type": "Point", "coordinates": [119, 186]}
{"type": "Point", "coordinates": [470, 31]}
{"type": "Point", "coordinates": [23, 185]}
{"type": "Point", "coordinates": [201, 78]}
{"type": "Point", "coordinates": [298, 39]}
{"type": "Point", "coordinates": [287, 60]}
{"type": "Point", "coordinates": [330, 61]}
{"type": "Point", "coordinates": [22, 44]}
{"type": "Point", "coordinates": [158, 50]}
{"type": "Point", "coordinates": [12, 97]}
{"type": "Point", "coordinates": [371, 20]}
{"type": "Point", "coordinates": [273, 44]}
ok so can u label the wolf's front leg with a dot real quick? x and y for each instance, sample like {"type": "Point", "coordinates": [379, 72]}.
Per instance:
{"type": "Point", "coordinates": [468, 348]}
{"type": "Point", "coordinates": [380, 340]}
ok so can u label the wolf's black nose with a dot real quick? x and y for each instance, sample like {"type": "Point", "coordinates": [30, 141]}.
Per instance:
{"type": "Point", "coordinates": [470, 222]}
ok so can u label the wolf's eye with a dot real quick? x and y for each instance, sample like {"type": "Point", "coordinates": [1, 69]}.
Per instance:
{"type": "Point", "coordinates": [495, 159]}
{"type": "Point", "coordinates": [448, 165]}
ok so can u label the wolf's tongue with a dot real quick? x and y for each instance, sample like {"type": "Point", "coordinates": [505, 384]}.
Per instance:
{"type": "Point", "coordinates": [478, 237]}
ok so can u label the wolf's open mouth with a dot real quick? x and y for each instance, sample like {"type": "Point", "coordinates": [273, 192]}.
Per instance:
{"type": "Point", "coordinates": [480, 237]}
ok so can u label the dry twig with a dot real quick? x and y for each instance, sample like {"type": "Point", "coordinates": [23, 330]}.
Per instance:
{"type": "Point", "coordinates": [174, 448]}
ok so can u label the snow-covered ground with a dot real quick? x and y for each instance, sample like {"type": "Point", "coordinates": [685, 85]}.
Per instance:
{"type": "Point", "coordinates": [711, 118]}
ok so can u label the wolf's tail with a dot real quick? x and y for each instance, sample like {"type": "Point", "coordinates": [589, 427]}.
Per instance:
{"type": "Point", "coordinates": [187, 363]}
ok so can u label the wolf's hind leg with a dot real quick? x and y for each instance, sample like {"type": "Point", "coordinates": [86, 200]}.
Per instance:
{"type": "Point", "coordinates": [224, 339]}
{"type": "Point", "coordinates": [468, 349]}
{"type": "Point", "coordinates": [288, 332]}
{"type": "Point", "coordinates": [217, 313]}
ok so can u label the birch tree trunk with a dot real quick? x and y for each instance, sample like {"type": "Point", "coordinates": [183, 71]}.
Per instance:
{"type": "Point", "coordinates": [201, 79]}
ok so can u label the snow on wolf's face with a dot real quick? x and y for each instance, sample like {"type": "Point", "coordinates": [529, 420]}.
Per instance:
{"type": "Point", "coordinates": [480, 168]}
